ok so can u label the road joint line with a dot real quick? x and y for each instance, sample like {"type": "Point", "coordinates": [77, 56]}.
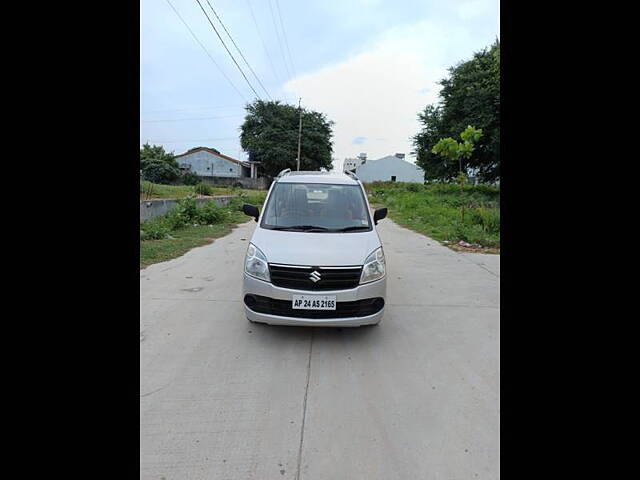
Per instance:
{"type": "Point", "coordinates": [304, 407]}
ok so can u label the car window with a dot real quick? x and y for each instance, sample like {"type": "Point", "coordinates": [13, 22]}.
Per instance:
{"type": "Point", "coordinates": [330, 207]}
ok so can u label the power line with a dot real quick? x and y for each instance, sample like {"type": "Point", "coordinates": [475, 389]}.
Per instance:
{"type": "Point", "coordinates": [264, 45]}
{"type": "Point", "coordinates": [237, 48]}
{"type": "Point", "coordinates": [195, 140]}
{"type": "Point", "coordinates": [206, 51]}
{"type": "Point", "coordinates": [275, 26]}
{"type": "Point", "coordinates": [227, 49]}
{"type": "Point", "coordinates": [189, 119]}
{"type": "Point", "coordinates": [284, 34]}
{"type": "Point", "coordinates": [192, 108]}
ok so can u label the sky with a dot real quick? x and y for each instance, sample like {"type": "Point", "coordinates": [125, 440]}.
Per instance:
{"type": "Point", "coordinates": [370, 65]}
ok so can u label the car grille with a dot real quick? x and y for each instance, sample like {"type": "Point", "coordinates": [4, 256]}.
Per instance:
{"type": "Point", "coordinates": [283, 308]}
{"type": "Point", "coordinates": [299, 278]}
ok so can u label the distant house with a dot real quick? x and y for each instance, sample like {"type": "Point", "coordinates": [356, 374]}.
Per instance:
{"type": "Point", "coordinates": [217, 168]}
{"type": "Point", "coordinates": [393, 168]}
{"type": "Point", "coordinates": [350, 164]}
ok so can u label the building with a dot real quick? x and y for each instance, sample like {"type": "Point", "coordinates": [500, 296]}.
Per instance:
{"type": "Point", "coordinates": [350, 164]}
{"type": "Point", "coordinates": [393, 168]}
{"type": "Point", "coordinates": [219, 169]}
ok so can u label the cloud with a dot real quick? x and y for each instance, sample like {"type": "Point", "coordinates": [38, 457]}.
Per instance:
{"type": "Point", "coordinates": [359, 140]}
{"type": "Point", "coordinates": [378, 92]}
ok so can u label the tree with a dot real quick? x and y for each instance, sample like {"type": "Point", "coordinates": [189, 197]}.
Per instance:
{"type": "Point", "coordinates": [455, 152]}
{"type": "Point", "coordinates": [470, 95]}
{"type": "Point", "coordinates": [269, 134]}
{"type": "Point", "coordinates": [158, 166]}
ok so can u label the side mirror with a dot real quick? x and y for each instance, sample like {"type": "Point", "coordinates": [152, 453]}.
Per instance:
{"type": "Point", "coordinates": [251, 210]}
{"type": "Point", "coordinates": [379, 214]}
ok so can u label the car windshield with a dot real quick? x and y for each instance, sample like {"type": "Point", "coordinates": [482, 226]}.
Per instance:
{"type": "Point", "coordinates": [316, 207]}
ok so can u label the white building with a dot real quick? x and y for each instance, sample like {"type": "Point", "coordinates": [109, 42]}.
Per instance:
{"type": "Point", "coordinates": [350, 164]}
{"type": "Point", "coordinates": [209, 162]}
{"type": "Point", "coordinates": [393, 168]}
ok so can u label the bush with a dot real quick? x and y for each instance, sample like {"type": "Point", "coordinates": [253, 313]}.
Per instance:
{"type": "Point", "coordinates": [187, 212]}
{"type": "Point", "coordinates": [413, 187]}
{"type": "Point", "coordinates": [487, 219]}
{"type": "Point", "coordinates": [203, 189]}
{"type": "Point", "coordinates": [211, 213]}
{"type": "Point", "coordinates": [183, 214]}
{"type": "Point", "coordinates": [189, 178]}
{"type": "Point", "coordinates": [236, 204]}
{"type": "Point", "coordinates": [155, 229]}
{"type": "Point", "coordinates": [158, 171]}
{"type": "Point", "coordinates": [187, 208]}
{"type": "Point", "coordinates": [174, 220]}
{"type": "Point", "coordinates": [256, 199]}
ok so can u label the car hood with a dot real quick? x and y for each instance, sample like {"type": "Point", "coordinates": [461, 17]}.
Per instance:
{"type": "Point", "coordinates": [315, 249]}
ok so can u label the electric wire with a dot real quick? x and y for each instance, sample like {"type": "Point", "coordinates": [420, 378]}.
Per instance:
{"type": "Point", "coordinates": [284, 35]}
{"type": "Point", "coordinates": [264, 45]}
{"type": "Point", "coordinates": [206, 51]}
{"type": "Point", "coordinates": [238, 48]}
{"type": "Point", "coordinates": [228, 51]}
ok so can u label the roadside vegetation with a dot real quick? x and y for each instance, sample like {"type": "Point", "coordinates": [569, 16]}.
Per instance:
{"type": "Point", "coordinates": [188, 226]}
{"type": "Point", "coordinates": [434, 210]}
{"type": "Point", "coordinates": [151, 191]}
{"type": "Point", "coordinates": [470, 95]}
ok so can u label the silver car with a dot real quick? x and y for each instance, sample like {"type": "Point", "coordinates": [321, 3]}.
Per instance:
{"type": "Point", "coordinates": [315, 257]}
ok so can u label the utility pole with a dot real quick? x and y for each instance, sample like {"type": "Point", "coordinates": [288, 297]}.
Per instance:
{"type": "Point", "coordinates": [299, 131]}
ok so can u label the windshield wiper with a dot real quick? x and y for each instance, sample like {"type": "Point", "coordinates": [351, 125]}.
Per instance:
{"type": "Point", "coordinates": [308, 228]}
{"type": "Point", "coordinates": [352, 228]}
{"type": "Point", "coordinates": [280, 228]}
{"type": "Point", "coordinates": [302, 228]}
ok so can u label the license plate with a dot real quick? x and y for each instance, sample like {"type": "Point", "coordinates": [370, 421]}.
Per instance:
{"type": "Point", "coordinates": [314, 302]}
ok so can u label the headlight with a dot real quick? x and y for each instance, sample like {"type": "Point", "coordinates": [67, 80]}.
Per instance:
{"type": "Point", "coordinates": [374, 267]}
{"type": "Point", "coordinates": [255, 264]}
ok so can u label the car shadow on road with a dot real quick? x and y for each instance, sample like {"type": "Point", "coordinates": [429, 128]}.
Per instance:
{"type": "Point", "coordinates": [351, 335]}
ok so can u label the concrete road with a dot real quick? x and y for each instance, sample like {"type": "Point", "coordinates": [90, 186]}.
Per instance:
{"type": "Point", "coordinates": [416, 397]}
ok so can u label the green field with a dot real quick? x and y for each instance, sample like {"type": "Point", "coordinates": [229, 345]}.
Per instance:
{"type": "Point", "coordinates": [150, 191]}
{"type": "Point", "coordinates": [188, 226]}
{"type": "Point", "coordinates": [435, 210]}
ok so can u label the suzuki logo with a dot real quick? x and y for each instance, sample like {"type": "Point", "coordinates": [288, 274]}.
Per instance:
{"type": "Point", "coordinates": [314, 276]}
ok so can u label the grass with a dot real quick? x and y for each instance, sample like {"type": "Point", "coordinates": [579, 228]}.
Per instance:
{"type": "Point", "coordinates": [181, 241]}
{"type": "Point", "coordinates": [188, 226]}
{"type": "Point", "coordinates": [151, 191]}
{"type": "Point", "coordinates": [435, 210]}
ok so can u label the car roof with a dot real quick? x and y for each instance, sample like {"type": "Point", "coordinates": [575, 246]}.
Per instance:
{"type": "Point", "coordinates": [317, 177]}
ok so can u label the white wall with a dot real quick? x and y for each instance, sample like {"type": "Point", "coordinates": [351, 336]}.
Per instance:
{"type": "Point", "coordinates": [383, 169]}
{"type": "Point", "coordinates": [207, 164]}
{"type": "Point", "coordinates": [351, 163]}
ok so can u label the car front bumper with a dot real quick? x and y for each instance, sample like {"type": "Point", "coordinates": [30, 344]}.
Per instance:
{"type": "Point", "coordinates": [253, 286]}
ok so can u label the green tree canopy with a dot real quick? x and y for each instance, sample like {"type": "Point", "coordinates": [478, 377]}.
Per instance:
{"type": "Point", "coordinates": [456, 152]}
{"type": "Point", "coordinates": [470, 95]}
{"type": "Point", "coordinates": [269, 134]}
{"type": "Point", "coordinates": [157, 165]}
